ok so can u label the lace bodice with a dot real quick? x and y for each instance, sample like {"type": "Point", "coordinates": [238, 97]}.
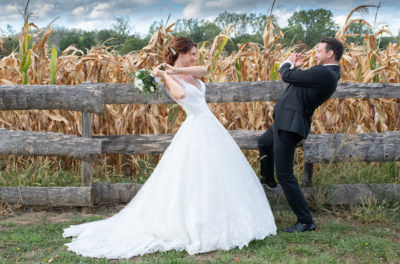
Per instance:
{"type": "Point", "coordinates": [194, 102]}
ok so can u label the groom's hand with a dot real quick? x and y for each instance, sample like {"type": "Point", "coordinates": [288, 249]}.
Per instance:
{"type": "Point", "coordinates": [298, 60]}
{"type": "Point", "coordinates": [291, 58]}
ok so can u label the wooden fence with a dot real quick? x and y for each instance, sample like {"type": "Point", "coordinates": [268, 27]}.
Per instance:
{"type": "Point", "coordinates": [92, 98]}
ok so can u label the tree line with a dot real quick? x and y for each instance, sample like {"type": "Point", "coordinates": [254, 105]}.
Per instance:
{"type": "Point", "coordinates": [304, 26]}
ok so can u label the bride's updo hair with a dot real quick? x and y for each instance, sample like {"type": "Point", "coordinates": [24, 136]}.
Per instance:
{"type": "Point", "coordinates": [175, 46]}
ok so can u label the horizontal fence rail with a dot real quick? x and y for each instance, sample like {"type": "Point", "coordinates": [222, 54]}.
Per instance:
{"type": "Point", "coordinates": [367, 147]}
{"type": "Point", "coordinates": [324, 148]}
{"type": "Point", "coordinates": [102, 193]}
{"type": "Point", "coordinates": [146, 144]}
{"type": "Point", "coordinates": [31, 143]}
{"type": "Point", "coordinates": [48, 196]}
{"type": "Point", "coordinates": [92, 97]}
{"type": "Point", "coordinates": [52, 97]}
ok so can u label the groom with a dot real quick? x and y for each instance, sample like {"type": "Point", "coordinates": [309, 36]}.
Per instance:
{"type": "Point", "coordinates": [293, 112]}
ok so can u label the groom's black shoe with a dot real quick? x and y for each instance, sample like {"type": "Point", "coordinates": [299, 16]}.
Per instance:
{"type": "Point", "coordinates": [271, 184]}
{"type": "Point", "coordinates": [299, 227]}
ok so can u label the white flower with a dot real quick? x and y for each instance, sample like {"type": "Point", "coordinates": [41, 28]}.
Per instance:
{"type": "Point", "coordinates": [140, 87]}
{"type": "Point", "coordinates": [152, 89]}
{"type": "Point", "coordinates": [139, 84]}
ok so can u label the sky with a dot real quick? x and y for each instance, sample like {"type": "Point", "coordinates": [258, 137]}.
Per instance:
{"type": "Point", "coordinates": [99, 14]}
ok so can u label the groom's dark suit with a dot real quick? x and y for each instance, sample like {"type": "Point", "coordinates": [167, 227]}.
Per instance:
{"type": "Point", "coordinates": [293, 112]}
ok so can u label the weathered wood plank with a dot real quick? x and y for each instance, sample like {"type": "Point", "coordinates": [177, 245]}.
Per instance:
{"type": "Point", "coordinates": [145, 144]}
{"type": "Point", "coordinates": [216, 93]}
{"type": "Point", "coordinates": [86, 132]}
{"type": "Point", "coordinates": [377, 147]}
{"type": "Point", "coordinates": [335, 194]}
{"type": "Point", "coordinates": [367, 90]}
{"type": "Point", "coordinates": [246, 92]}
{"type": "Point", "coordinates": [30, 143]}
{"type": "Point", "coordinates": [82, 97]}
{"type": "Point", "coordinates": [91, 97]}
{"type": "Point", "coordinates": [106, 193]}
{"type": "Point", "coordinates": [122, 193]}
{"type": "Point", "coordinates": [347, 194]}
{"type": "Point", "coordinates": [47, 196]}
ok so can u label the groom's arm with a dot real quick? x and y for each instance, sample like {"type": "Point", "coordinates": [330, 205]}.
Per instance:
{"type": "Point", "coordinates": [312, 77]}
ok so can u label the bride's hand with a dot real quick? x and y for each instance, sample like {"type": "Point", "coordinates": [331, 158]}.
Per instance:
{"type": "Point", "coordinates": [157, 72]}
{"type": "Point", "coordinates": [170, 69]}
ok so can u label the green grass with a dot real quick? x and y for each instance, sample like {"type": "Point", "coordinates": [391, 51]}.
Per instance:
{"type": "Point", "coordinates": [357, 172]}
{"type": "Point", "coordinates": [50, 172]}
{"type": "Point", "coordinates": [341, 238]}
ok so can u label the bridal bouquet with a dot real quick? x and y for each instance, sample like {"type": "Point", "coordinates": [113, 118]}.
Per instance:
{"type": "Point", "coordinates": [145, 82]}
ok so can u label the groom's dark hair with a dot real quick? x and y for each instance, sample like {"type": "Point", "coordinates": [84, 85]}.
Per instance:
{"type": "Point", "coordinates": [335, 45]}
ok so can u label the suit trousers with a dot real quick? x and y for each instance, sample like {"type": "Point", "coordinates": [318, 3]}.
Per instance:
{"type": "Point", "coordinates": [277, 149]}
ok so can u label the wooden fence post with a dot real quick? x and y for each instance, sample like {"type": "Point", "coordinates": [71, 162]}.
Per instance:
{"type": "Point", "coordinates": [86, 166]}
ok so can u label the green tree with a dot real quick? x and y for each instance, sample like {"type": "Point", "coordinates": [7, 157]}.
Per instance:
{"type": "Point", "coordinates": [384, 41]}
{"type": "Point", "coordinates": [71, 39]}
{"type": "Point", "coordinates": [210, 31]}
{"type": "Point", "coordinates": [10, 44]}
{"type": "Point", "coordinates": [191, 28]}
{"type": "Point", "coordinates": [104, 35]}
{"type": "Point", "coordinates": [310, 26]}
{"type": "Point", "coordinates": [240, 21]}
{"type": "Point", "coordinates": [359, 29]}
{"type": "Point", "coordinates": [155, 26]}
{"type": "Point", "coordinates": [233, 45]}
{"type": "Point", "coordinates": [133, 43]}
{"type": "Point", "coordinates": [121, 29]}
{"type": "Point", "coordinates": [10, 41]}
{"type": "Point", "coordinates": [87, 41]}
{"type": "Point", "coordinates": [197, 30]}
{"type": "Point", "coordinates": [244, 23]}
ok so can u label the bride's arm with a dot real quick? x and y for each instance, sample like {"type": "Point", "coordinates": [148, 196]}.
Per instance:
{"type": "Point", "coordinates": [196, 71]}
{"type": "Point", "coordinates": [175, 89]}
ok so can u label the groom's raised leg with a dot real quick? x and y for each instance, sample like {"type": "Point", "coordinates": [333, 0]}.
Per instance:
{"type": "Point", "coordinates": [284, 147]}
{"type": "Point", "coordinates": [266, 150]}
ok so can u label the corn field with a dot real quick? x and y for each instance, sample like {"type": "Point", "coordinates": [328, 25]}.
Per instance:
{"type": "Point", "coordinates": [252, 62]}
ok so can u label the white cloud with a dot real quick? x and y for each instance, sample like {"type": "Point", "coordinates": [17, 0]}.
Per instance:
{"type": "Point", "coordinates": [340, 20]}
{"type": "Point", "coordinates": [10, 13]}
{"type": "Point", "coordinates": [42, 10]}
{"type": "Point", "coordinates": [79, 11]}
{"type": "Point", "coordinates": [11, 9]}
{"type": "Point", "coordinates": [282, 16]}
{"type": "Point", "coordinates": [192, 10]}
{"type": "Point", "coordinates": [100, 11]}
{"type": "Point", "coordinates": [391, 19]}
{"type": "Point", "coordinates": [92, 25]}
{"type": "Point", "coordinates": [216, 4]}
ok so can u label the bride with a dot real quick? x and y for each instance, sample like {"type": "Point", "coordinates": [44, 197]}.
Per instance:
{"type": "Point", "coordinates": [202, 196]}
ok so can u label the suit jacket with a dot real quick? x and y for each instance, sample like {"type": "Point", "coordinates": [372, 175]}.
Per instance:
{"type": "Point", "coordinates": [307, 90]}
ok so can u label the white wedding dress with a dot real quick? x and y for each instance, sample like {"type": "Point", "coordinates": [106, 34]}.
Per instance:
{"type": "Point", "coordinates": [202, 196]}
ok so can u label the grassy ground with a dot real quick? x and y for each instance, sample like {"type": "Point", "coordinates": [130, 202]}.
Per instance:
{"type": "Point", "coordinates": [359, 234]}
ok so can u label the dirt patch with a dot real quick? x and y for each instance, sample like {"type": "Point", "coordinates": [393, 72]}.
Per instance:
{"type": "Point", "coordinates": [36, 216]}
{"type": "Point", "coordinates": [206, 256]}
